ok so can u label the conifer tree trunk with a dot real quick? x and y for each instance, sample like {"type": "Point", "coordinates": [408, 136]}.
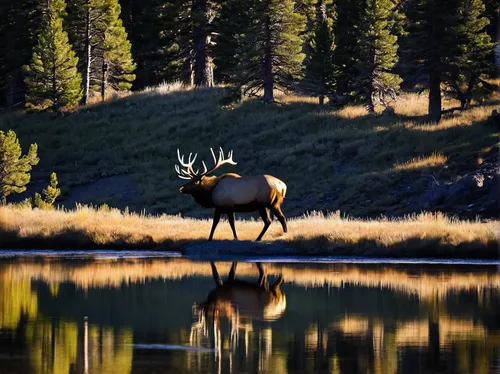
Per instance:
{"type": "Point", "coordinates": [10, 89]}
{"type": "Point", "coordinates": [203, 70]}
{"type": "Point", "coordinates": [434, 96]}
{"type": "Point", "coordinates": [88, 59]}
{"type": "Point", "coordinates": [103, 80]}
{"type": "Point", "coordinates": [435, 64]}
{"type": "Point", "coordinates": [187, 76]}
{"type": "Point", "coordinates": [371, 88]}
{"type": "Point", "coordinates": [187, 72]}
{"type": "Point", "coordinates": [497, 46]}
{"type": "Point", "coordinates": [268, 64]}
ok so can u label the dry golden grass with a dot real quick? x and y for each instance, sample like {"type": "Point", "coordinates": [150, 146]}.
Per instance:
{"type": "Point", "coordinates": [424, 235]}
{"type": "Point", "coordinates": [352, 112]}
{"type": "Point", "coordinates": [436, 159]}
{"type": "Point", "coordinates": [110, 95]}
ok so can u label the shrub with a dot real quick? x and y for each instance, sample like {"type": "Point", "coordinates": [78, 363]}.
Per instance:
{"type": "Point", "coordinates": [49, 195]}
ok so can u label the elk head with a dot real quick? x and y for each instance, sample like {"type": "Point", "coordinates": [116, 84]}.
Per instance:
{"type": "Point", "coordinates": [200, 182]}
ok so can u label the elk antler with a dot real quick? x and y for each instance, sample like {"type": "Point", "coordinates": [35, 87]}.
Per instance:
{"type": "Point", "coordinates": [189, 173]}
{"type": "Point", "coordinates": [221, 160]}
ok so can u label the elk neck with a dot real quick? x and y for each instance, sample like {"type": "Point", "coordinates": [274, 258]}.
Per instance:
{"type": "Point", "coordinates": [203, 197]}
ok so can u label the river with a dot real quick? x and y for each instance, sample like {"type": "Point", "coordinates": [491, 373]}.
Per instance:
{"type": "Point", "coordinates": [150, 312]}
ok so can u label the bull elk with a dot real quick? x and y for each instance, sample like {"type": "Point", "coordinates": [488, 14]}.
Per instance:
{"type": "Point", "coordinates": [230, 193]}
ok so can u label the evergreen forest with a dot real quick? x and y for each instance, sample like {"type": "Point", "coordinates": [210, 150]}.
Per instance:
{"type": "Point", "coordinates": [57, 54]}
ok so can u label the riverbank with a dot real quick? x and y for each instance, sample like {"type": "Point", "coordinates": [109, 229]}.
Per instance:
{"type": "Point", "coordinates": [424, 235]}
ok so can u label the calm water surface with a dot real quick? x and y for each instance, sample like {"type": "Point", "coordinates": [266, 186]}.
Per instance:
{"type": "Point", "coordinates": [174, 315]}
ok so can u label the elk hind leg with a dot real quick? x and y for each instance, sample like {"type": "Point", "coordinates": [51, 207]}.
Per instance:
{"type": "Point", "coordinates": [232, 272]}
{"type": "Point", "coordinates": [264, 213]}
{"type": "Point", "coordinates": [281, 217]}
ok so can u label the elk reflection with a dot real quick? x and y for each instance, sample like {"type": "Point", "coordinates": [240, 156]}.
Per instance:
{"type": "Point", "coordinates": [240, 303]}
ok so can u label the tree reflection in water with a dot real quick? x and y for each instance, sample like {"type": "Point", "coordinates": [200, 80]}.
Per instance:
{"type": "Point", "coordinates": [335, 318]}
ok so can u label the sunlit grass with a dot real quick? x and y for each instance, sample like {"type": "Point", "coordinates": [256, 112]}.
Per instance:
{"type": "Point", "coordinates": [422, 162]}
{"type": "Point", "coordinates": [420, 235]}
{"type": "Point", "coordinates": [352, 112]}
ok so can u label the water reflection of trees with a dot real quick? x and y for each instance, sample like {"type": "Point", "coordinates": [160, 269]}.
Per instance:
{"type": "Point", "coordinates": [16, 300]}
{"type": "Point", "coordinates": [57, 345]}
{"type": "Point", "coordinates": [358, 320]}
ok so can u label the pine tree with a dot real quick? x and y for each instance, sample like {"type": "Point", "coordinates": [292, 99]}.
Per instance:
{"type": "Point", "coordinates": [150, 31]}
{"type": "Point", "coordinates": [270, 50]}
{"type": "Point", "coordinates": [347, 35]}
{"type": "Point", "coordinates": [313, 11]}
{"type": "Point", "coordinates": [193, 25]}
{"type": "Point", "coordinates": [19, 22]}
{"type": "Point", "coordinates": [474, 51]}
{"type": "Point", "coordinates": [319, 72]}
{"type": "Point", "coordinates": [231, 24]}
{"type": "Point", "coordinates": [116, 52]}
{"type": "Point", "coordinates": [493, 30]}
{"type": "Point", "coordinates": [52, 76]}
{"type": "Point", "coordinates": [14, 168]}
{"type": "Point", "coordinates": [203, 13]}
{"type": "Point", "coordinates": [431, 44]}
{"type": "Point", "coordinates": [101, 42]}
{"type": "Point", "coordinates": [378, 51]}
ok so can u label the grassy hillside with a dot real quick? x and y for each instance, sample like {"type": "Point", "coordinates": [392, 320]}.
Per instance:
{"type": "Point", "coordinates": [345, 160]}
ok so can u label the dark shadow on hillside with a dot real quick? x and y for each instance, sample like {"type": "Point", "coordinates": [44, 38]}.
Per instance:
{"type": "Point", "coordinates": [393, 192]}
{"type": "Point", "coordinates": [135, 138]}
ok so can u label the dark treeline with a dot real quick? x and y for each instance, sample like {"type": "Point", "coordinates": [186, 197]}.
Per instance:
{"type": "Point", "coordinates": [60, 53]}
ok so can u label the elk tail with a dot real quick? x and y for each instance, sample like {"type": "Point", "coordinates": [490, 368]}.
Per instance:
{"type": "Point", "coordinates": [281, 187]}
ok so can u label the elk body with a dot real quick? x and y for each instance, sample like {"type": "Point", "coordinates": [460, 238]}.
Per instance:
{"type": "Point", "coordinates": [259, 301]}
{"type": "Point", "coordinates": [231, 193]}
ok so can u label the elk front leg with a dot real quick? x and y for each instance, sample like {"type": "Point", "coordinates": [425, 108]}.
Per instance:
{"type": "Point", "coordinates": [230, 217]}
{"type": "Point", "coordinates": [264, 213]}
{"type": "Point", "coordinates": [214, 224]}
{"type": "Point", "coordinates": [215, 274]}
{"type": "Point", "coordinates": [262, 276]}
